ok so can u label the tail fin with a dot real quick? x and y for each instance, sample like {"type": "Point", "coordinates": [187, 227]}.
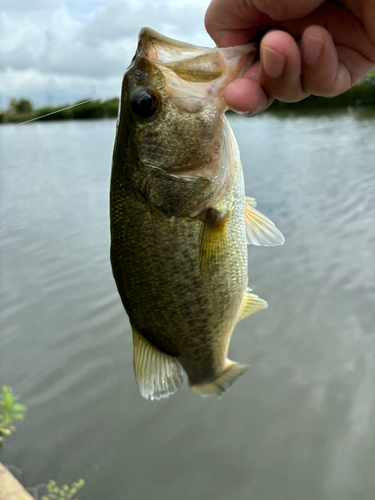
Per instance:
{"type": "Point", "coordinates": [222, 382]}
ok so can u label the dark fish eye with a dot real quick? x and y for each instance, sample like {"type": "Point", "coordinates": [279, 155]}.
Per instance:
{"type": "Point", "coordinates": [144, 103]}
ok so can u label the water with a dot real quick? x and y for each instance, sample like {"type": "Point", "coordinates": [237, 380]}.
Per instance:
{"type": "Point", "coordinates": [299, 425]}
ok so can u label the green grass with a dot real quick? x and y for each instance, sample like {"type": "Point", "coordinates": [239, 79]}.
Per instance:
{"type": "Point", "coordinates": [63, 493]}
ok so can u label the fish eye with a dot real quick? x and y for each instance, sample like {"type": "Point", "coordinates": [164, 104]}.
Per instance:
{"type": "Point", "coordinates": [144, 103]}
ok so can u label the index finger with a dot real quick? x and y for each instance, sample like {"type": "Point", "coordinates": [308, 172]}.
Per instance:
{"type": "Point", "coordinates": [236, 22]}
{"type": "Point", "coordinates": [231, 23]}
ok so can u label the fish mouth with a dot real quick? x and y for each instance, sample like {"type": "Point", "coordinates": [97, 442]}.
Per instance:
{"type": "Point", "coordinates": [195, 64]}
{"type": "Point", "coordinates": [167, 50]}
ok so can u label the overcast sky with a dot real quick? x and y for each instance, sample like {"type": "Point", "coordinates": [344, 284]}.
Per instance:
{"type": "Point", "coordinates": [58, 51]}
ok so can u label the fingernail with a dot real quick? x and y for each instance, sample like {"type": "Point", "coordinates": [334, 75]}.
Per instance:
{"type": "Point", "coordinates": [273, 62]}
{"type": "Point", "coordinates": [240, 111]}
{"type": "Point", "coordinates": [248, 112]}
{"type": "Point", "coordinates": [312, 49]}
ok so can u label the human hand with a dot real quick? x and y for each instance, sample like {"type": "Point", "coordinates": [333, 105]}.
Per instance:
{"type": "Point", "coordinates": [315, 47]}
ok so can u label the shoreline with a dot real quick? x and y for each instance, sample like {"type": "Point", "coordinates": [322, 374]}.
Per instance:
{"type": "Point", "coordinates": [10, 487]}
{"type": "Point", "coordinates": [361, 96]}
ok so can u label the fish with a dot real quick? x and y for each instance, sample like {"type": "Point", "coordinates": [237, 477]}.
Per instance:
{"type": "Point", "coordinates": [180, 221]}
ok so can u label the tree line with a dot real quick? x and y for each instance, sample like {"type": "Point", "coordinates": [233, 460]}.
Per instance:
{"type": "Point", "coordinates": [20, 110]}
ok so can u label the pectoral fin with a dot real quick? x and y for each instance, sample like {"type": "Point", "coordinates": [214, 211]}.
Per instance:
{"type": "Point", "coordinates": [260, 230]}
{"type": "Point", "coordinates": [158, 374]}
{"type": "Point", "coordinates": [251, 304]}
{"type": "Point", "coordinates": [214, 240]}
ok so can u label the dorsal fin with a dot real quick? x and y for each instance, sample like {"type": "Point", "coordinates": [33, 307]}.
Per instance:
{"type": "Point", "coordinates": [251, 304]}
{"type": "Point", "coordinates": [158, 374]}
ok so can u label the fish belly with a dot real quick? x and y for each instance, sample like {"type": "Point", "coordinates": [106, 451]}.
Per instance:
{"type": "Point", "coordinates": [176, 307]}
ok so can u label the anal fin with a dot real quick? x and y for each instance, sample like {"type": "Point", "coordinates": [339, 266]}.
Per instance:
{"type": "Point", "coordinates": [251, 304]}
{"type": "Point", "coordinates": [251, 201]}
{"type": "Point", "coordinates": [260, 230]}
{"type": "Point", "coordinates": [221, 383]}
{"type": "Point", "coordinates": [158, 374]}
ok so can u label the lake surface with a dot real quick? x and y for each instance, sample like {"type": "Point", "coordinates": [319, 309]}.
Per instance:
{"type": "Point", "coordinates": [299, 425]}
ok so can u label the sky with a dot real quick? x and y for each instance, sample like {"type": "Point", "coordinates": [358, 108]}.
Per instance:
{"type": "Point", "coordinates": [58, 51]}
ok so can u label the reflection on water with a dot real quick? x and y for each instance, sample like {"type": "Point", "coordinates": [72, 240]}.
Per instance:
{"type": "Point", "coordinates": [300, 425]}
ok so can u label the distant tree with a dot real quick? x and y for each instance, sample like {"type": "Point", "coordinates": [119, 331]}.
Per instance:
{"type": "Point", "coordinates": [20, 106]}
{"type": "Point", "coordinates": [368, 82]}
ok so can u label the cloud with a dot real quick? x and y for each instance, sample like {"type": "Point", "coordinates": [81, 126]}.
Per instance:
{"type": "Point", "coordinates": [68, 47]}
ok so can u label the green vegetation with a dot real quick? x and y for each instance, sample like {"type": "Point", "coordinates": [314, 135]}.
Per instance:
{"type": "Point", "coordinates": [20, 106]}
{"type": "Point", "coordinates": [10, 410]}
{"type": "Point", "coordinates": [362, 94]}
{"type": "Point", "coordinates": [21, 110]}
{"type": "Point", "coordinates": [63, 493]}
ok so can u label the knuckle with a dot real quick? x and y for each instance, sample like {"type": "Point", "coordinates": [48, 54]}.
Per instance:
{"type": "Point", "coordinates": [275, 9]}
{"type": "Point", "coordinates": [323, 86]}
{"type": "Point", "coordinates": [286, 93]}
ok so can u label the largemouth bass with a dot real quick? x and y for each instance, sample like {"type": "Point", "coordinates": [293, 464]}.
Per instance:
{"type": "Point", "coordinates": [180, 222]}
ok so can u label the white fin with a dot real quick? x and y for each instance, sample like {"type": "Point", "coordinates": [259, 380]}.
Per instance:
{"type": "Point", "coordinates": [260, 230]}
{"type": "Point", "coordinates": [251, 201]}
{"type": "Point", "coordinates": [251, 304]}
{"type": "Point", "coordinates": [223, 381]}
{"type": "Point", "coordinates": [158, 374]}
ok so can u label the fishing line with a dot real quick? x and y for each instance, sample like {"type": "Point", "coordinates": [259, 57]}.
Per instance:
{"type": "Point", "coordinates": [85, 102]}
{"type": "Point", "coordinates": [62, 109]}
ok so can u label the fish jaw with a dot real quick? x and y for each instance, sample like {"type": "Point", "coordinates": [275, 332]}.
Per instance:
{"type": "Point", "coordinates": [186, 134]}
{"type": "Point", "coordinates": [195, 74]}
